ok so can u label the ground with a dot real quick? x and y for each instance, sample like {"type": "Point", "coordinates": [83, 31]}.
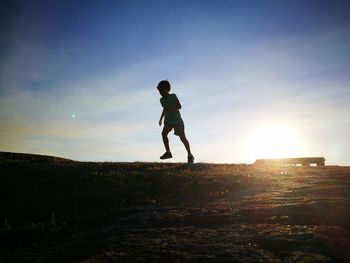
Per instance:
{"type": "Point", "coordinates": [57, 210]}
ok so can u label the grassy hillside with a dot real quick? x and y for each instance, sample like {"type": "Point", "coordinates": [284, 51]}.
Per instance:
{"type": "Point", "coordinates": [55, 209]}
{"type": "Point", "coordinates": [41, 190]}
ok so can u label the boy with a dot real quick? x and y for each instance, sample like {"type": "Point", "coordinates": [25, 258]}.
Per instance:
{"type": "Point", "coordinates": [172, 120]}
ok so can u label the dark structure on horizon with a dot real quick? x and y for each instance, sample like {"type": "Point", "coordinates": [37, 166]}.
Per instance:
{"type": "Point", "coordinates": [319, 161]}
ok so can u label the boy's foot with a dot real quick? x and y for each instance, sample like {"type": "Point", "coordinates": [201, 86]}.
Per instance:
{"type": "Point", "coordinates": [190, 159]}
{"type": "Point", "coordinates": [166, 155]}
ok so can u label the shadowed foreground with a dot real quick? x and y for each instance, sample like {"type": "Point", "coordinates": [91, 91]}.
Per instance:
{"type": "Point", "coordinates": [58, 210]}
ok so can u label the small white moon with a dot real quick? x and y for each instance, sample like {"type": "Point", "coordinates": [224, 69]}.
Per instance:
{"type": "Point", "coordinates": [73, 116]}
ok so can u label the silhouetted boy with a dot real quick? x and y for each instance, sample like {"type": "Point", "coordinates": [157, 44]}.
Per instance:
{"type": "Point", "coordinates": [172, 120]}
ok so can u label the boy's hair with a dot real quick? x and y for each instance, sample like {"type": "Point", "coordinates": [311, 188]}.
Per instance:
{"type": "Point", "coordinates": [164, 84]}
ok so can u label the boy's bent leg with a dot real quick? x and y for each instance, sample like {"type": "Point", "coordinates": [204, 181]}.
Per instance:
{"type": "Point", "coordinates": [165, 133]}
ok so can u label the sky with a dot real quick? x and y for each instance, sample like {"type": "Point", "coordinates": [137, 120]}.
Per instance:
{"type": "Point", "coordinates": [256, 79]}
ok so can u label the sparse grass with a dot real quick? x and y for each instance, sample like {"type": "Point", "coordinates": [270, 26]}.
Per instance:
{"type": "Point", "coordinates": [34, 195]}
{"type": "Point", "coordinates": [51, 207]}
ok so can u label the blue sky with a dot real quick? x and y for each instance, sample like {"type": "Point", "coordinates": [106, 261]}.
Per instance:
{"type": "Point", "coordinates": [78, 78]}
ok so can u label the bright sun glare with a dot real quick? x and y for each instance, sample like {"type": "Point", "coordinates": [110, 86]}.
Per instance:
{"type": "Point", "coordinates": [275, 141]}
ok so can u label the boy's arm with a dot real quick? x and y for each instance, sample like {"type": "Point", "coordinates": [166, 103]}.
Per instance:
{"type": "Point", "coordinates": [178, 104]}
{"type": "Point", "coordinates": [161, 117]}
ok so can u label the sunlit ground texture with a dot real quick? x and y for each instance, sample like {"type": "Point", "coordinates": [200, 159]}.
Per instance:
{"type": "Point", "coordinates": [56, 210]}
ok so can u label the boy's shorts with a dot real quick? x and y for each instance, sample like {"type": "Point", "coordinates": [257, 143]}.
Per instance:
{"type": "Point", "coordinates": [179, 129]}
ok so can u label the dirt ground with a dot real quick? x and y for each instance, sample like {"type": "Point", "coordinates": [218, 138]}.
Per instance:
{"type": "Point", "coordinates": [299, 214]}
{"type": "Point", "coordinates": [298, 218]}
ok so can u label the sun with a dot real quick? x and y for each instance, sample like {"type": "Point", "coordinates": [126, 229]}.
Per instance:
{"type": "Point", "coordinates": [274, 141]}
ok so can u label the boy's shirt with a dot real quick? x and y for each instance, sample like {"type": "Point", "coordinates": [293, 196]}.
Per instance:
{"type": "Point", "coordinates": [173, 116]}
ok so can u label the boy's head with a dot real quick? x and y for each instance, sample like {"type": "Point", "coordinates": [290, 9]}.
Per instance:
{"type": "Point", "coordinates": [164, 87]}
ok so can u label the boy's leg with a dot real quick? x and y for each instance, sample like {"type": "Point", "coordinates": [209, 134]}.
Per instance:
{"type": "Point", "coordinates": [190, 158]}
{"type": "Point", "coordinates": [180, 131]}
{"type": "Point", "coordinates": [165, 133]}
{"type": "Point", "coordinates": [186, 143]}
